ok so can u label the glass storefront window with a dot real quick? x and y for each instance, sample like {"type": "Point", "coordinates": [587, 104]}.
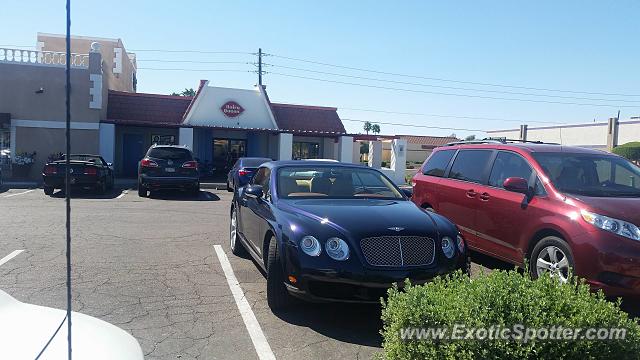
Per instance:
{"type": "Point", "coordinates": [306, 150]}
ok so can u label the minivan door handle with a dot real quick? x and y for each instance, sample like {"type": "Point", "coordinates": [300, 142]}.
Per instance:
{"type": "Point", "coordinates": [485, 196]}
{"type": "Point", "coordinates": [471, 193]}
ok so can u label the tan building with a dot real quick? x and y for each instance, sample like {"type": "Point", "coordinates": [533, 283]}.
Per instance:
{"type": "Point", "coordinates": [32, 97]}
{"type": "Point", "coordinates": [418, 147]}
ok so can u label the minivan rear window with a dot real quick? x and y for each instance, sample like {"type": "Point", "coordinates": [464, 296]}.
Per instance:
{"type": "Point", "coordinates": [437, 163]}
{"type": "Point", "coordinates": [469, 165]}
{"type": "Point", "coordinates": [170, 153]}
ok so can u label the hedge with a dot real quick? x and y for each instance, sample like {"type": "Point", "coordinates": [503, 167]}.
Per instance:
{"type": "Point", "coordinates": [630, 150]}
{"type": "Point", "coordinates": [503, 299]}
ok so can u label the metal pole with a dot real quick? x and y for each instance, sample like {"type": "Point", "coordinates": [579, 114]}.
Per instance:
{"type": "Point", "coordinates": [67, 188]}
{"type": "Point", "coordinates": [260, 66]}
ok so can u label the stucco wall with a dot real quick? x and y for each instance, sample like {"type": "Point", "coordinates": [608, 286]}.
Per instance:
{"type": "Point", "coordinates": [588, 135]}
{"type": "Point", "coordinates": [48, 141]}
{"type": "Point", "coordinates": [18, 85]}
{"type": "Point", "coordinates": [628, 132]}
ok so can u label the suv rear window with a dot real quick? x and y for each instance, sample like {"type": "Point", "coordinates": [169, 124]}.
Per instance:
{"type": "Point", "coordinates": [437, 163]}
{"type": "Point", "coordinates": [170, 153]}
{"type": "Point", "coordinates": [469, 165]}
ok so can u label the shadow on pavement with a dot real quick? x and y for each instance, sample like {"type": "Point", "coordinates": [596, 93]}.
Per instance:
{"type": "Point", "coordinates": [352, 323]}
{"type": "Point", "coordinates": [88, 194]}
{"type": "Point", "coordinates": [176, 195]}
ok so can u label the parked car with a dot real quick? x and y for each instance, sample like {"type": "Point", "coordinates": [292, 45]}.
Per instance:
{"type": "Point", "coordinates": [86, 171]}
{"type": "Point", "coordinates": [558, 207]}
{"type": "Point", "coordinates": [168, 167]}
{"type": "Point", "coordinates": [26, 329]}
{"type": "Point", "coordinates": [242, 171]}
{"type": "Point", "coordinates": [338, 232]}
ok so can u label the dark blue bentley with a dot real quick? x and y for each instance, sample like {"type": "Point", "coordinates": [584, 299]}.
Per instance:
{"type": "Point", "coordinates": [338, 232]}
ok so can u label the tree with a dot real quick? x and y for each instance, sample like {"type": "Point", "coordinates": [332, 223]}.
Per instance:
{"type": "Point", "coordinates": [367, 127]}
{"type": "Point", "coordinates": [185, 92]}
{"type": "Point", "coordinates": [375, 128]}
{"type": "Point", "coordinates": [470, 138]}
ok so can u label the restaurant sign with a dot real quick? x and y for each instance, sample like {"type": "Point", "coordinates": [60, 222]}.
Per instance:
{"type": "Point", "coordinates": [231, 109]}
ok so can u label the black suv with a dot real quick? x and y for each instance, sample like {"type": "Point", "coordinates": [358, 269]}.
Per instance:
{"type": "Point", "coordinates": [168, 167]}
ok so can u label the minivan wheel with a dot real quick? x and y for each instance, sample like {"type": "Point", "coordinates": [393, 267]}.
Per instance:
{"type": "Point", "coordinates": [236, 246]}
{"type": "Point", "coordinates": [277, 295]}
{"type": "Point", "coordinates": [552, 256]}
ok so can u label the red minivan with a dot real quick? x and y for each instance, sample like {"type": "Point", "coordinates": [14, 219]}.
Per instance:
{"type": "Point", "coordinates": [558, 207]}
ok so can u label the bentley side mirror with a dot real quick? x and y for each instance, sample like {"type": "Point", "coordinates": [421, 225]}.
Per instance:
{"type": "Point", "coordinates": [516, 184]}
{"type": "Point", "coordinates": [254, 191]}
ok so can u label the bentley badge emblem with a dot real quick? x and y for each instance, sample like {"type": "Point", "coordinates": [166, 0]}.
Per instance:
{"type": "Point", "coordinates": [396, 228]}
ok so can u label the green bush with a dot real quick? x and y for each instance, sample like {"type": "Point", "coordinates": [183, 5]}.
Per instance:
{"type": "Point", "coordinates": [504, 299]}
{"type": "Point", "coordinates": [630, 150]}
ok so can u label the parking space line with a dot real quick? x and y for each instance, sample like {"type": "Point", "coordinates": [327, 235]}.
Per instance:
{"type": "Point", "coordinates": [251, 323]}
{"type": "Point", "coordinates": [10, 256]}
{"type": "Point", "coordinates": [123, 194]}
{"type": "Point", "coordinates": [20, 193]}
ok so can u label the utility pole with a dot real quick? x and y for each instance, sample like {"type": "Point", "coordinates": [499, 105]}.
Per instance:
{"type": "Point", "coordinates": [260, 66]}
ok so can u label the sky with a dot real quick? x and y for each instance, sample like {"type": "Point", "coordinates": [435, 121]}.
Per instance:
{"type": "Point", "coordinates": [433, 67]}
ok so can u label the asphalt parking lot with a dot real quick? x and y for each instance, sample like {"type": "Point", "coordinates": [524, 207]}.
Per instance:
{"type": "Point", "coordinates": [150, 266]}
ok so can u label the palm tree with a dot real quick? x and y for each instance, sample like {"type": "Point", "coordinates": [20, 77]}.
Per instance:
{"type": "Point", "coordinates": [375, 128]}
{"type": "Point", "coordinates": [367, 127]}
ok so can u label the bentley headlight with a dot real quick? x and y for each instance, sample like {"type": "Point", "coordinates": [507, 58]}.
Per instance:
{"type": "Point", "coordinates": [310, 246]}
{"type": "Point", "coordinates": [615, 226]}
{"type": "Point", "coordinates": [447, 247]}
{"type": "Point", "coordinates": [337, 249]}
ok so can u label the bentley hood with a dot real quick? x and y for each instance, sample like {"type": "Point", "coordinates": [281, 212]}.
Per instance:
{"type": "Point", "coordinates": [368, 217]}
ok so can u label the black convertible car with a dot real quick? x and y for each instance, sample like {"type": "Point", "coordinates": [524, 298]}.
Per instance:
{"type": "Point", "coordinates": [86, 171]}
{"type": "Point", "coordinates": [338, 232]}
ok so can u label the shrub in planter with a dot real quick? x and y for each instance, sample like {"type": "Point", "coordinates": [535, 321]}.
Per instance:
{"type": "Point", "coordinates": [503, 299]}
{"type": "Point", "coordinates": [631, 151]}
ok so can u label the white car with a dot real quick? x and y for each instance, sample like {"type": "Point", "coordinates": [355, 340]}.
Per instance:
{"type": "Point", "coordinates": [25, 329]}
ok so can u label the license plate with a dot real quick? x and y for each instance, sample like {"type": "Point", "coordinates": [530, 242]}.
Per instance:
{"type": "Point", "coordinates": [170, 169]}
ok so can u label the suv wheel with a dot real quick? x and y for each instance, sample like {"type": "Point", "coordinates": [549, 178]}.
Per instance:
{"type": "Point", "coordinates": [48, 190]}
{"type": "Point", "coordinates": [277, 295]}
{"type": "Point", "coordinates": [552, 256]}
{"type": "Point", "coordinates": [142, 191]}
{"type": "Point", "coordinates": [237, 248]}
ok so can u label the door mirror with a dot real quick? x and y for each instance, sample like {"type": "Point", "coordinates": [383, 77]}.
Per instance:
{"type": "Point", "coordinates": [408, 192]}
{"type": "Point", "coordinates": [516, 184]}
{"type": "Point", "coordinates": [254, 191]}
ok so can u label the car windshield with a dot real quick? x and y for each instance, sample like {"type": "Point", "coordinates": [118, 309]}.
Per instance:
{"type": "Point", "coordinates": [334, 182]}
{"type": "Point", "coordinates": [591, 175]}
{"type": "Point", "coordinates": [89, 158]}
{"type": "Point", "coordinates": [169, 153]}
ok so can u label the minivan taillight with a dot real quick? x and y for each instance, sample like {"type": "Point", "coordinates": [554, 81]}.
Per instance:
{"type": "Point", "coordinates": [50, 170]}
{"type": "Point", "coordinates": [243, 172]}
{"type": "Point", "coordinates": [190, 165]}
{"type": "Point", "coordinates": [90, 171]}
{"type": "Point", "coordinates": [148, 163]}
